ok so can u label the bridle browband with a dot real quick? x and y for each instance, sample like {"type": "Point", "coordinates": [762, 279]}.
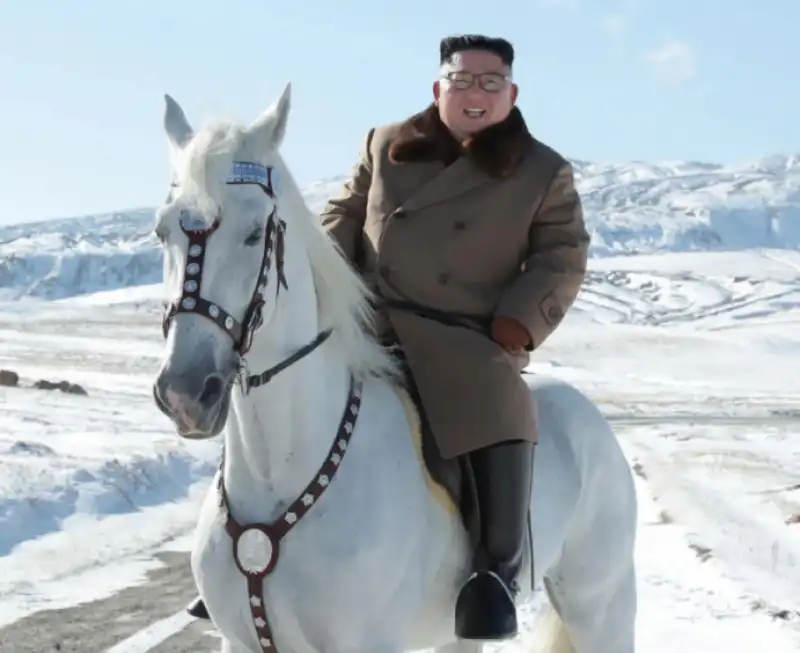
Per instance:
{"type": "Point", "coordinates": [190, 300]}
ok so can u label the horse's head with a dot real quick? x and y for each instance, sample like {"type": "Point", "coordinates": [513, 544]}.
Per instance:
{"type": "Point", "coordinates": [222, 237]}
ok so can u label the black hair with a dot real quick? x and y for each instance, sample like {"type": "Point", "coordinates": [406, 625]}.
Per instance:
{"type": "Point", "coordinates": [450, 45]}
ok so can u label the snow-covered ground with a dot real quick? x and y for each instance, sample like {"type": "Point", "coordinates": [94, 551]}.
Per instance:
{"type": "Point", "coordinates": [687, 334]}
{"type": "Point", "coordinates": [693, 355]}
{"type": "Point", "coordinates": [86, 481]}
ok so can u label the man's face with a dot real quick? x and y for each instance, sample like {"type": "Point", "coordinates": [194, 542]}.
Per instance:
{"type": "Point", "coordinates": [474, 92]}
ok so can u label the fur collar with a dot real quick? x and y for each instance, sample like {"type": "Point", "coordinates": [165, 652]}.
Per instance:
{"type": "Point", "coordinates": [497, 150]}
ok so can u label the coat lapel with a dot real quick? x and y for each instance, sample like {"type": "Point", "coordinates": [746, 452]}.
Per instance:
{"type": "Point", "coordinates": [449, 182]}
{"type": "Point", "coordinates": [406, 181]}
{"type": "Point", "coordinates": [423, 146]}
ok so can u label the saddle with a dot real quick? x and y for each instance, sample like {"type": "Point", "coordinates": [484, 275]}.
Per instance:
{"type": "Point", "coordinates": [453, 475]}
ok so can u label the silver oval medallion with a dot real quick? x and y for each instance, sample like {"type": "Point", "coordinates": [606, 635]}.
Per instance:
{"type": "Point", "coordinates": [254, 551]}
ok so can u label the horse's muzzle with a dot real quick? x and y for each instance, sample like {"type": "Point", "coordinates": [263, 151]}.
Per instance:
{"type": "Point", "coordinates": [197, 414]}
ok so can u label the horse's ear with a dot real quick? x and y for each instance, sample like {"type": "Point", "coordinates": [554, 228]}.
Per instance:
{"type": "Point", "coordinates": [178, 129]}
{"type": "Point", "coordinates": [269, 129]}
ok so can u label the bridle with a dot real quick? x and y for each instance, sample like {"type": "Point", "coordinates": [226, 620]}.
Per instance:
{"type": "Point", "coordinates": [256, 545]}
{"type": "Point", "coordinates": [190, 300]}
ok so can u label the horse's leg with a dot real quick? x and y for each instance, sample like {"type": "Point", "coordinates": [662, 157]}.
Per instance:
{"type": "Point", "coordinates": [570, 625]}
{"type": "Point", "coordinates": [461, 646]}
{"type": "Point", "coordinates": [229, 647]}
{"type": "Point", "coordinates": [590, 513]}
{"type": "Point", "coordinates": [594, 604]}
{"type": "Point", "coordinates": [550, 631]}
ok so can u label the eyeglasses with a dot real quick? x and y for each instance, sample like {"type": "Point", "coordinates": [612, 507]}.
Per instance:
{"type": "Point", "coordinates": [489, 82]}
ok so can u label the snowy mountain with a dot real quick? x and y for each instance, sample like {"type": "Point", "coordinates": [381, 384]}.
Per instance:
{"type": "Point", "coordinates": [635, 208]}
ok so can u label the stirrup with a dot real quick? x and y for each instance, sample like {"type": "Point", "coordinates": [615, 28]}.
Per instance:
{"type": "Point", "coordinates": [198, 610]}
{"type": "Point", "coordinates": [485, 609]}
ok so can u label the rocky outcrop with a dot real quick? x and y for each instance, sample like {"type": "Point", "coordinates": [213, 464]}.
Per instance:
{"type": "Point", "coordinates": [10, 379]}
{"type": "Point", "coordinates": [64, 386]}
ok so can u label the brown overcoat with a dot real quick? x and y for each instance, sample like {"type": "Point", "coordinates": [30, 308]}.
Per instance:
{"type": "Point", "coordinates": [491, 228]}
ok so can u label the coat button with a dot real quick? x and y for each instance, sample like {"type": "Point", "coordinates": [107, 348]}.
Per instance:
{"type": "Point", "coordinates": [555, 314]}
{"type": "Point", "coordinates": [459, 225]}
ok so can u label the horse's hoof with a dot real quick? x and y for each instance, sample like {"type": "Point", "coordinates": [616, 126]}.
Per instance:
{"type": "Point", "coordinates": [197, 609]}
{"type": "Point", "coordinates": [485, 609]}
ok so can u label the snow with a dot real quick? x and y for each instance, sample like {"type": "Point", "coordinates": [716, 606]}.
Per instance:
{"type": "Point", "coordinates": [631, 208]}
{"type": "Point", "coordinates": [690, 344]}
{"type": "Point", "coordinates": [98, 476]}
{"type": "Point", "coordinates": [154, 634]}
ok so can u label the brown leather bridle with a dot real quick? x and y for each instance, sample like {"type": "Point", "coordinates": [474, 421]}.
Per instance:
{"type": "Point", "coordinates": [256, 545]}
{"type": "Point", "coordinates": [190, 300]}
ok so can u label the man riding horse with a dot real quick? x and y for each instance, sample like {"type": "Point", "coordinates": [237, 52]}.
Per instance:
{"type": "Point", "coordinates": [471, 234]}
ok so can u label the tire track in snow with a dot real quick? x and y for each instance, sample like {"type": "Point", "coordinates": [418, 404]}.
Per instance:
{"type": "Point", "coordinates": [97, 626]}
{"type": "Point", "coordinates": [709, 490]}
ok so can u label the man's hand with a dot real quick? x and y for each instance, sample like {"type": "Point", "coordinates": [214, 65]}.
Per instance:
{"type": "Point", "coordinates": [510, 334]}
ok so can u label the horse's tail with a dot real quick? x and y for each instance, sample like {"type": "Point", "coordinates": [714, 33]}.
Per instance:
{"type": "Point", "coordinates": [549, 633]}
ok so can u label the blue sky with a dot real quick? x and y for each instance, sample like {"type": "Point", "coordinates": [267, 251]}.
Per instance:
{"type": "Point", "coordinates": [82, 82]}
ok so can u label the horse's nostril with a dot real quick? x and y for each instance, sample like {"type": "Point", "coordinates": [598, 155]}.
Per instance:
{"type": "Point", "coordinates": [212, 390]}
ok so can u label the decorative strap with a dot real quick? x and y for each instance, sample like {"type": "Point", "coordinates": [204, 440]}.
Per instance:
{"type": "Point", "coordinates": [256, 546]}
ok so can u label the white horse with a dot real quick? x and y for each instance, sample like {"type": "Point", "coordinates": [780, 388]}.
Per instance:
{"type": "Point", "coordinates": [371, 560]}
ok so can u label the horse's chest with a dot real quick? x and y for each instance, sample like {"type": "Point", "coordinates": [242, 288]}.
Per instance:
{"type": "Point", "coordinates": [308, 599]}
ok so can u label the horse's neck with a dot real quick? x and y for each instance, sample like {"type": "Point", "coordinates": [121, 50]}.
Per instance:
{"type": "Point", "coordinates": [279, 434]}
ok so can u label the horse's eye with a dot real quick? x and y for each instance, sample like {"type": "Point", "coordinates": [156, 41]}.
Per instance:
{"type": "Point", "coordinates": [253, 238]}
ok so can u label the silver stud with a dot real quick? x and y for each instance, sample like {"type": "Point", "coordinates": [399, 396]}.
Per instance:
{"type": "Point", "coordinates": [190, 286]}
{"type": "Point", "coordinates": [229, 322]}
{"type": "Point", "coordinates": [188, 303]}
{"type": "Point", "coordinates": [195, 250]}
{"type": "Point", "coordinates": [192, 269]}
{"type": "Point", "coordinates": [213, 310]}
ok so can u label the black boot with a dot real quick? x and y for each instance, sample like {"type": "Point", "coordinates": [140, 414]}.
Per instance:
{"type": "Point", "coordinates": [485, 609]}
{"type": "Point", "coordinates": [198, 609]}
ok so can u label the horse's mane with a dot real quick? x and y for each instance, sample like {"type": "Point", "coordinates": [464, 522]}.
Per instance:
{"type": "Point", "coordinates": [343, 300]}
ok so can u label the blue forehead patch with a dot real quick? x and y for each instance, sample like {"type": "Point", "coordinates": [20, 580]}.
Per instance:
{"type": "Point", "coordinates": [249, 173]}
